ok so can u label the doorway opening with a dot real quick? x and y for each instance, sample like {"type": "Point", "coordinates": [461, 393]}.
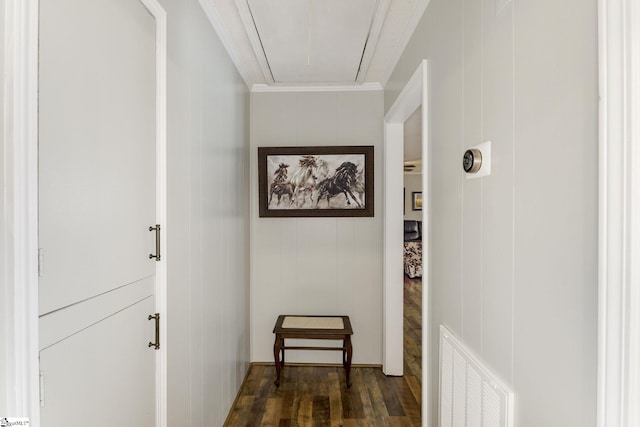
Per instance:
{"type": "Point", "coordinates": [413, 251]}
{"type": "Point", "coordinates": [413, 96]}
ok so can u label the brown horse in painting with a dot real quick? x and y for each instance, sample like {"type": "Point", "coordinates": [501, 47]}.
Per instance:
{"type": "Point", "coordinates": [279, 186]}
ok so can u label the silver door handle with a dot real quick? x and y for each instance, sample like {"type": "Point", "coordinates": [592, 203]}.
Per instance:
{"type": "Point", "coordinates": [157, 230]}
{"type": "Point", "coordinates": [156, 345]}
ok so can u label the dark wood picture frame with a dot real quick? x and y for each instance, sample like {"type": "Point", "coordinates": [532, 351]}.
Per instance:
{"type": "Point", "coordinates": [291, 179]}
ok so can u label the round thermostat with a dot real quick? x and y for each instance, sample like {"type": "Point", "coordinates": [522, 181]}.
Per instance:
{"type": "Point", "coordinates": [472, 160]}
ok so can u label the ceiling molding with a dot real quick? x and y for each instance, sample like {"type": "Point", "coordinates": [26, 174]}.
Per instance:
{"type": "Point", "coordinates": [416, 16]}
{"type": "Point", "coordinates": [391, 30]}
{"type": "Point", "coordinates": [216, 22]}
{"type": "Point", "coordinates": [318, 88]}
{"type": "Point", "coordinates": [372, 41]}
{"type": "Point", "coordinates": [308, 42]}
{"type": "Point", "coordinates": [254, 38]}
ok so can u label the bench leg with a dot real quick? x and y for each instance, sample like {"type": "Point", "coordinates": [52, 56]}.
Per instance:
{"type": "Point", "coordinates": [277, 346]}
{"type": "Point", "coordinates": [348, 361]}
{"type": "Point", "coordinates": [282, 347]}
{"type": "Point", "coordinates": [344, 353]}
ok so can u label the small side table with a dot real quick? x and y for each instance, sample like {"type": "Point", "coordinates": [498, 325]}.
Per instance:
{"type": "Point", "coordinates": [315, 328]}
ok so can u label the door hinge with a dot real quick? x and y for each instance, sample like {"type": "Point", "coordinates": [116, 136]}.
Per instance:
{"type": "Point", "coordinates": [42, 389]}
{"type": "Point", "coordinates": [40, 262]}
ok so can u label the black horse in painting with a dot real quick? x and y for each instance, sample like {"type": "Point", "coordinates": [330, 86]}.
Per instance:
{"type": "Point", "coordinates": [341, 182]}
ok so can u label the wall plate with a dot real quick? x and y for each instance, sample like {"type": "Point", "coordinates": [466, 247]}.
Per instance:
{"type": "Point", "coordinates": [485, 168]}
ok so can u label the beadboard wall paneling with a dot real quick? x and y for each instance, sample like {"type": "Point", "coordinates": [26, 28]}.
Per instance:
{"type": "Point", "coordinates": [317, 265]}
{"type": "Point", "coordinates": [514, 254]}
{"type": "Point", "coordinates": [208, 230]}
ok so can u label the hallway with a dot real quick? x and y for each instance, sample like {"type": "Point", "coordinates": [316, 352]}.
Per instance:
{"type": "Point", "coordinates": [316, 396]}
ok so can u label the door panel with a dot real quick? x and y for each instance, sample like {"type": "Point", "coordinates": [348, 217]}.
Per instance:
{"type": "Point", "coordinates": [91, 378]}
{"type": "Point", "coordinates": [61, 324]}
{"type": "Point", "coordinates": [97, 199]}
{"type": "Point", "coordinates": [97, 147]}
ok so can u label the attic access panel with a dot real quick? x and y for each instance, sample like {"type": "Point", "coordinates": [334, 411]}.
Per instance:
{"type": "Point", "coordinates": [313, 41]}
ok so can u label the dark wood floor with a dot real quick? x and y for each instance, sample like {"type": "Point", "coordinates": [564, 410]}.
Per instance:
{"type": "Point", "coordinates": [316, 396]}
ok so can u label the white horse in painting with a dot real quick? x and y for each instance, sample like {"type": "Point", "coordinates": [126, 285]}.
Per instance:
{"type": "Point", "coordinates": [305, 178]}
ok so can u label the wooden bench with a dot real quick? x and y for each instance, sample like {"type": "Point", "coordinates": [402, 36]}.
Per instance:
{"type": "Point", "coordinates": [315, 328]}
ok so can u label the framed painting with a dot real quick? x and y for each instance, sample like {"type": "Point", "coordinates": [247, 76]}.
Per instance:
{"type": "Point", "coordinates": [315, 181]}
{"type": "Point", "coordinates": [416, 200]}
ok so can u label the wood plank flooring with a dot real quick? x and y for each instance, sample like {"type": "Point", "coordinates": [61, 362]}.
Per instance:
{"type": "Point", "coordinates": [317, 396]}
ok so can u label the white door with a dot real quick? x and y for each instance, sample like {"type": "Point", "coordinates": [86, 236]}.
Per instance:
{"type": "Point", "coordinates": [97, 183]}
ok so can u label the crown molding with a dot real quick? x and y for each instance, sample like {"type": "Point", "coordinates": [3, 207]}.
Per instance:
{"type": "Point", "coordinates": [365, 87]}
{"type": "Point", "coordinates": [244, 10]}
{"type": "Point", "coordinates": [372, 41]}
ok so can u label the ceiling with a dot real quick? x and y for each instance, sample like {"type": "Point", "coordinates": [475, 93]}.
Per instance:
{"type": "Point", "coordinates": [314, 43]}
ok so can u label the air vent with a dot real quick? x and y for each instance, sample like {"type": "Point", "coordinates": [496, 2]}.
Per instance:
{"type": "Point", "coordinates": [470, 394]}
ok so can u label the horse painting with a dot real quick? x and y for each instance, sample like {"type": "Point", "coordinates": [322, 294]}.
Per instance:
{"type": "Point", "coordinates": [315, 181]}
{"type": "Point", "coordinates": [341, 182]}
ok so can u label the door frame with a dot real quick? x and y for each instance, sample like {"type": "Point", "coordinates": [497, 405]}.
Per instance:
{"type": "Point", "coordinates": [20, 141]}
{"type": "Point", "coordinates": [413, 95]}
{"type": "Point", "coordinates": [619, 214]}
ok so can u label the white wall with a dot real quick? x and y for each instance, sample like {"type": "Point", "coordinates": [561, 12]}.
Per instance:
{"type": "Point", "coordinates": [317, 265]}
{"type": "Point", "coordinates": [514, 255]}
{"type": "Point", "coordinates": [412, 183]}
{"type": "Point", "coordinates": [208, 267]}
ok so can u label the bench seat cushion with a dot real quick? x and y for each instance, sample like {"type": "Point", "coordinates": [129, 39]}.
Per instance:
{"type": "Point", "coordinates": [299, 322]}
